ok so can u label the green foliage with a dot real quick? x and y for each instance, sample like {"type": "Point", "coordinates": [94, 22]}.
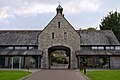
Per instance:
{"type": "Point", "coordinates": [90, 28]}
{"type": "Point", "coordinates": [111, 22]}
{"type": "Point", "coordinates": [104, 74]}
{"type": "Point", "coordinates": [12, 74]}
{"type": "Point", "coordinates": [57, 58]}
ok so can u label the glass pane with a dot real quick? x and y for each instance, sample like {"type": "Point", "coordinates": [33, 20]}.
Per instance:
{"type": "Point", "coordinates": [65, 35]}
{"type": "Point", "coordinates": [107, 47]}
{"type": "Point", "coordinates": [101, 48]}
{"type": "Point", "coordinates": [17, 47]}
{"type": "Point", "coordinates": [117, 48]}
{"type": "Point", "coordinates": [94, 47]}
{"type": "Point", "coordinates": [23, 47]}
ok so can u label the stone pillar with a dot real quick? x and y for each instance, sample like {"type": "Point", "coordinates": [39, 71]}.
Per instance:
{"type": "Point", "coordinates": [45, 63]}
{"type": "Point", "coordinates": [73, 60]}
{"type": "Point", "coordinates": [78, 62]}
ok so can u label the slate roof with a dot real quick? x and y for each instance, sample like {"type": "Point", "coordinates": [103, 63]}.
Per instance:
{"type": "Point", "coordinates": [20, 52]}
{"type": "Point", "coordinates": [98, 52]}
{"type": "Point", "coordinates": [30, 37]}
{"type": "Point", "coordinates": [98, 37]}
{"type": "Point", "coordinates": [19, 37]}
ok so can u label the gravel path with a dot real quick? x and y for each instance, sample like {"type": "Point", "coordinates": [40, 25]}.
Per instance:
{"type": "Point", "coordinates": [57, 75]}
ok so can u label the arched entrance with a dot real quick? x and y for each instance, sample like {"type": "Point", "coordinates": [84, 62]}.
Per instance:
{"type": "Point", "coordinates": [59, 57]}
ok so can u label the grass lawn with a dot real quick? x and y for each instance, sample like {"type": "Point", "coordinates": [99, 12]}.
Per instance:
{"type": "Point", "coordinates": [104, 74]}
{"type": "Point", "coordinates": [12, 74]}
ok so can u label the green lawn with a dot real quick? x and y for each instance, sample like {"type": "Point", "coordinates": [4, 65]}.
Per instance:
{"type": "Point", "coordinates": [12, 74]}
{"type": "Point", "coordinates": [104, 74]}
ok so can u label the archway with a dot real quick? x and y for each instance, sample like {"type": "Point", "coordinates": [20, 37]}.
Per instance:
{"type": "Point", "coordinates": [59, 57]}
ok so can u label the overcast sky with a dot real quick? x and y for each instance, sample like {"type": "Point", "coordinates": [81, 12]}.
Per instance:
{"type": "Point", "coordinates": [36, 14]}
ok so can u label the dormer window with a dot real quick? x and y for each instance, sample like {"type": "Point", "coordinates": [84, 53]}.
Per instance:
{"type": "Point", "coordinates": [52, 35]}
{"type": "Point", "coordinates": [58, 24]}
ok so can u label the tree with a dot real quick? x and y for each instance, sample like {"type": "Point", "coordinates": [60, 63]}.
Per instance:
{"type": "Point", "coordinates": [111, 22]}
{"type": "Point", "coordinates": [90, 28]}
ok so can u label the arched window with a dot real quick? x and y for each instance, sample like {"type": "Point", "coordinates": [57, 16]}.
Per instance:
{"type": "Point", "coordinates": [52, 35]}
{"type": "Point", "coordinates": [65, 35]}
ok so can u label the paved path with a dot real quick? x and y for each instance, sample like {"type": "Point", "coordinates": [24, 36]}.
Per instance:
{"type": "Point", "coordinates": [57, 75]}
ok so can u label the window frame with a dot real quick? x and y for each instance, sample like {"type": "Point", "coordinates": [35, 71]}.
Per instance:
{"type": "Point", "coordinates": [65, 35]}
{"type": "Point", "coordinates": [58, 24]}
{"type": "Point", "coordinates": [53, 35]}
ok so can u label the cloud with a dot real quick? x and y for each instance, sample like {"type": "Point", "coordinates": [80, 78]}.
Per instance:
{"type": "Point", "coordinates": [31, 8]}
{"type": "Point", "coordinates": [23, 13]}
{"type": "Point", "coordinates": [5, 13]}
{"type": "Point", "coordinates": [35, 8]}
{"type": "Point", "coordinates": [80, 6]}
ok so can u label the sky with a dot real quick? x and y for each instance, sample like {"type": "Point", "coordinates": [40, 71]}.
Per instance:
{"type": "Point", "coordinates": [36, 14]}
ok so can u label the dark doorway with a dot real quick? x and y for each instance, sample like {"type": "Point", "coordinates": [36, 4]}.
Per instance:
{"type": "Point", "coordinates": [2, 61]}
{"type": "Point", "coordinates": [59, 57]}
{"type": "Point", "coordinates": [16, 62]}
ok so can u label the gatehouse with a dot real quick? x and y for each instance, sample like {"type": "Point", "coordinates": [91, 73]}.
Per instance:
{"type": "Point", "coordinates": [59, 45]}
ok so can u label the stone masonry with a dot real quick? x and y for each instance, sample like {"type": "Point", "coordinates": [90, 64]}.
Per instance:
{"type": "Point", "coordinates": [59, 26]}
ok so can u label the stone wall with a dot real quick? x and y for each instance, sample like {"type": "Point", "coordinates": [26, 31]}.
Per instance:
{"type": "Point", "coordinates": [72, 41]}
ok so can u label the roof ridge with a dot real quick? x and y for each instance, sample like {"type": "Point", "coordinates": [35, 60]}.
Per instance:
{"type": "Point", "coordinates": [21, 30]}
{"type": "Point", "coordinates": [94, 30]}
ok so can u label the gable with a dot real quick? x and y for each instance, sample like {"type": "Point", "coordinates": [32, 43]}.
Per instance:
{"type": "Point", "coordinates": [64, 24]}
{"type": "Point", "coordinates": [59, 26]}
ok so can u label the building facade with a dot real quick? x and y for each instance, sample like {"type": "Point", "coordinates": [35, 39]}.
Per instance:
{"type": "Point", "coordinates": [33, 48]}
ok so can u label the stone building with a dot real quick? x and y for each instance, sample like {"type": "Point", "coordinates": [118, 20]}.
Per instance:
{"type": "Point", "coordinates": [32, 48]}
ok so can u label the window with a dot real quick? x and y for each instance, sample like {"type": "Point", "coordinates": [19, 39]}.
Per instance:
{"type": "Point", "coordinates": [95, 61]}
{"type": "Point", "coordinates": [10, 48]}
{"type": "Point", "coordinates": [65, 35]}
{"type": "Point", "coordinates": [112, 48]}
{"type": "Point", "coordinates": [86, 48]}
{"type": "Point", "coordinates": [24, 48]}
{"type": "Point", "coordinates": [94, 47]}
{"type": "Point", "coordinates": [58, 24]}
{"type": "Point", "coordinates": [52, 35]}
{"type": "Point", "coordinates": [20, 48]}
{"type": "Point", "coordinates": [31, 47]}
{"type": "Point", "coordinates": [17, 47]}
{"type": "Point", "coordinates": [117, 48]}
{"type": "Point", "coordinates": [101, 48]}
{"type": "Point", "coordinates": [108, 48]}
{"type": "Point", "coordinates": [1, 47]}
